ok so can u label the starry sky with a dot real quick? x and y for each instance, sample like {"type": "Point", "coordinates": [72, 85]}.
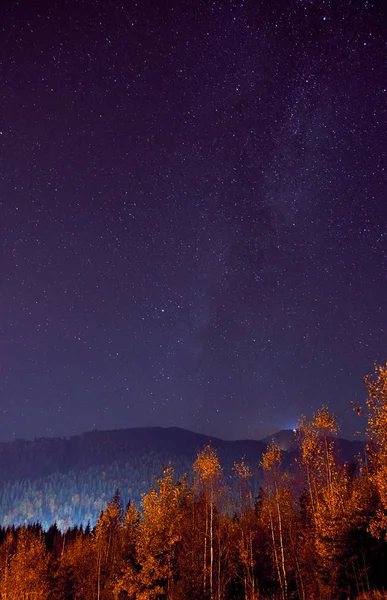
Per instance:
{"type": "Point", "coordinates": [192, 213]}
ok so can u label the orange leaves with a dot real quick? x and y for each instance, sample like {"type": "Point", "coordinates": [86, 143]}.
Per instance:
{"type": "Point", "coordinates": [332, 508]}
{"type": "Point", "coordinates": [308, 439]}
{"type": "Point", "coordinates": [377, 406]}
{"type": "Point", "coordinates": [27, 573]}
{"type": "Point", "coordinates": [323, 425]}
{"type": "Point", "coordinates": [377, 431]}
{"type": "Point", "coordinates": [242, 470]}
{"type": "Point", "coordinates": [207, 466]}
{"type": "Point", "coordinates": [317, 448]}
{"type": "Point", "coordinates": [272, 457]}
{"type": "Point", "coordinates": [109, 520]}
{"type": "Point", "coordinates": [159, 535]}
{"type": "Point", "coordinates": [324, 422]}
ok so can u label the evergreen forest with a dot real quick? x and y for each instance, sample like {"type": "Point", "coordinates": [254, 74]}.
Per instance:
{"type": "Point", "coordinates": [314, 531]}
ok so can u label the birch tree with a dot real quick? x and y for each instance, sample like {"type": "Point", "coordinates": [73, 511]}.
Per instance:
{"type": "Point", "coordinates": [245, 543]}
{"type": "Point", "coordinates": [331, 509]}
{"type": "Point", "coordinates": [208, 475]}
{"type": "Point", "coordinates": [106, 543]}
{"type": "Point", "coordinates": [273, 509]}
{"type": "Point", "coordinates": [377, 447]}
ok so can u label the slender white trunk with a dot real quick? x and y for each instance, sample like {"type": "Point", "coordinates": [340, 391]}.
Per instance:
{"type": "Point", "coordinates": [211, 545]}
{"type": "Point", "coordinates": [205, 549]}
{"type": "Point", "coordinates": [281, 540]}
{"type": "Point", "coordinates": [275, 552]}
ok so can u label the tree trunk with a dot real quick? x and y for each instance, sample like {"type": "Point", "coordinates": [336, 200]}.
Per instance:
{"type": "Point", "coordinates": [276, 554]}
{"type": "Point", "coordinates": [281, 540]}
{"type": "Point", "coordinates": [211, 545]}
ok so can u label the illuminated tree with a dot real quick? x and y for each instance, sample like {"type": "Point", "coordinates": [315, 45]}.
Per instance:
{"type": "Point", "coordinates": [77, 569]}
{"type": "Point", "coordinates": [7, 550]}
{"type": "Point", "coordinates": [106, 542]}
{"type": "Point", "coordinates": [130, 532]}
{"type": "Point", "coordinates": [28, 575]}
{"type": "Point", "coordinates": [208, 475]}
{"type": "Point", "coordinates": [377, 449]}
{"type": "Point", "coordinates": [155, 573]}
{"type": "Point", "coordinates": [245, 542]}
{"type": "Point", "coordinates": [273, 509]}
{"type": "Point", "coordinates": [332, 508]}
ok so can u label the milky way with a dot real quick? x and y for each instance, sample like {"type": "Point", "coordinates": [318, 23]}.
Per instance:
{"type": "Point", "coordinates": [192, 213]}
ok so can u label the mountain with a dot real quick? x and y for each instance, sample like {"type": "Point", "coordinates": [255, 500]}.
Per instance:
{"type": "Point", "coordinates": [70, 480]}
{"type": "Point", "coordinates": [285, 439]}
{"type": "Point", "coordinates": [22, 459]}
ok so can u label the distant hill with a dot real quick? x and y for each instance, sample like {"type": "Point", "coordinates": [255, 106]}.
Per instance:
{"type": "Point", "coordinates": [285, 439]}
{"type": "Point", "coordinates": [22, 459]}
{"type": "Point", "coordinates": [70, 480]}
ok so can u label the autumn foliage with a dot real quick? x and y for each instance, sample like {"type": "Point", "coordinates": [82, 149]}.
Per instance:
{"type": "Point", "coordinates": [315, 531]}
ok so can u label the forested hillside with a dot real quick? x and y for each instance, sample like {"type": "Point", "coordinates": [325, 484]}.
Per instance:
{"type": "Point", "coordinates": [69, 481]}
{"type": "Point", "coordinates": [317, 531]}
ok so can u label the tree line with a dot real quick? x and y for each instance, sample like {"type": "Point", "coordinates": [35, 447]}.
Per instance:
{"type": "Point", "coordinates": [316, 532]}
{"type": "Point", "coordinates": [77, 497]}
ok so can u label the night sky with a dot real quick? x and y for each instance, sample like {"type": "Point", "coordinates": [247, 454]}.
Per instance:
{"type": "Point", "coordinates": [192, 213]}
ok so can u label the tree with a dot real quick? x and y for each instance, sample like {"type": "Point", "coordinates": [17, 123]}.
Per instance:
{"type": "Point", "coordinates": [28, 575]}
{"type": "Point", "coordinates": [377, 448]}
{"type": "Point", "coordinates": [245, 543]}
{"type": "Point", "coordinates": [331, 508]}
{"type": "Point", "coordinates": [272, 507]}
{"type": "Point", "coordinates": [208, 475]}
{"type": "Point", "coordinates": [129, 534]}
{"type": "Point", "coordinates": [155, 572]}
{"type": "Point", "coordinates": [7, 550]}
{"type": "Point", "coordinates": [106, 541]}
{"type": "Point", "coordinates": [77, 571]}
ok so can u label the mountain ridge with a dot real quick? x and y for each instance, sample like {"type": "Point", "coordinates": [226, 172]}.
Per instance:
{"type": "Point", "coordinates": [38, 457]}
{"type": "Point", "coordinates": [70, 480]}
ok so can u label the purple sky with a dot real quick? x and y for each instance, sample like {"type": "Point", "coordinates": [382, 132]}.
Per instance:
{"type": "Point", "coordinates": [192, 213]}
